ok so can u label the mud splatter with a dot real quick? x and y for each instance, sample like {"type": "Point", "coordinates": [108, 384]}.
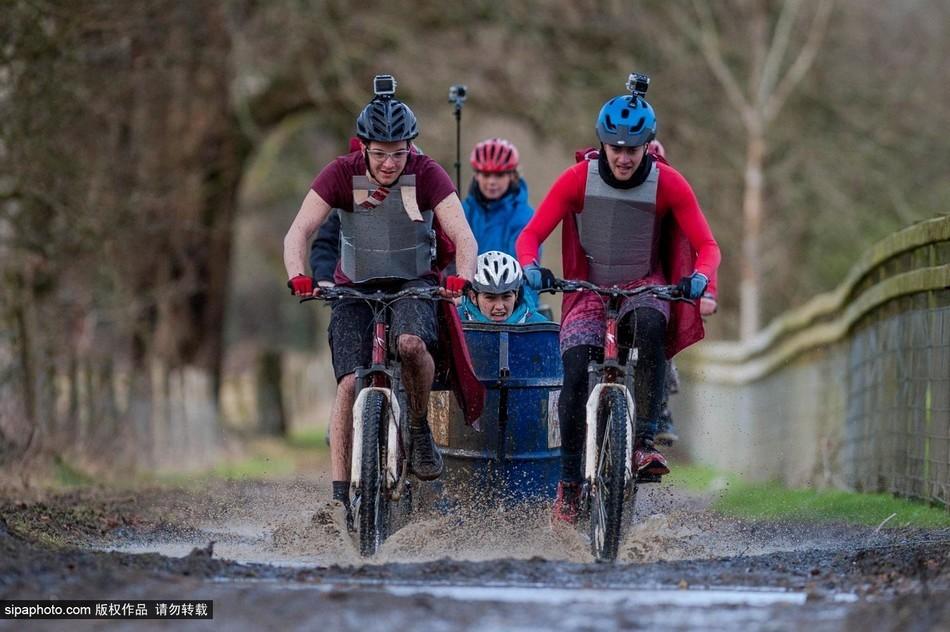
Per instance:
{"type": "Point", "coordinates": [307, 568]}
{"type": "Point", "coordinates": [320, 536]}
{"type": "Point", "coordinates": [483, 533]}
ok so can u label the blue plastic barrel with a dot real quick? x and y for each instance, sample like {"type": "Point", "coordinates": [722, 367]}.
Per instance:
{"type": "Point", "coordinates": [515, 452]}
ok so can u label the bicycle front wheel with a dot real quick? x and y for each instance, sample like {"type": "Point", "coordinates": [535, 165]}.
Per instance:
{"type": "Point", "coordinates": [374, 495]}
{"type": "Point", "coordinates": [607, 490]}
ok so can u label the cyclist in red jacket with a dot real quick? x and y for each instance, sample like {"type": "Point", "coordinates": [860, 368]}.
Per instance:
{"type": "Point", "coordinates": [628, 220]}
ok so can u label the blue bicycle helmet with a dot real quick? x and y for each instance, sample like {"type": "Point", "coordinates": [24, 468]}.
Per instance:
{"type": "Point", "coordinates": [626, 120]}
{"type": "Point", "coordinates": [386, 120]}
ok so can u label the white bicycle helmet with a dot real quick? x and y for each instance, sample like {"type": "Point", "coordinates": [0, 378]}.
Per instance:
{"type": "Point", "coordinates": [497, 273]}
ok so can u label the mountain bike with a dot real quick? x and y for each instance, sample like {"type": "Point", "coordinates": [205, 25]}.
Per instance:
{"type": "Point", "coordinates": [610, 484]}
{"type": "Point", "coordinates": [379, 463]}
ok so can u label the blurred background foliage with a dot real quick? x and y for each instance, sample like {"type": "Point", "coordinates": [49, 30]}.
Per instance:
{"type": "Point", "coordinates": [854, 155]}
{"type": "Point", "coordinates": [153, 153]}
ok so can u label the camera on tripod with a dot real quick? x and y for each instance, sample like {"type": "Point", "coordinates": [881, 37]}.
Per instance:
{"type": "Point", "coordinates": [457, 94]}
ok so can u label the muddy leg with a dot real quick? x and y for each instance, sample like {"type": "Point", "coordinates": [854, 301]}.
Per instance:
{"type": "Point", "coordinates": [418, 370]}
{"type": "Point", "coordinates": [341, 434]}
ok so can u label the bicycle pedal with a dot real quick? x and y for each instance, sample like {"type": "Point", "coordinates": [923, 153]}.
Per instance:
{"type": "Point", "coordinates": [647, 477]}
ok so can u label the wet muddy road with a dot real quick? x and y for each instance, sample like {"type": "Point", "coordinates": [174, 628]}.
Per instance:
{"type": "Point", "coordinates": [283, 560]}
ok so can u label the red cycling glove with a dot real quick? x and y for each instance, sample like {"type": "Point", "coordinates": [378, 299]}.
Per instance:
{"type": "Point", "coordinates": [455, 283]}
{"type": "Point", "coordinates": [301, 285]}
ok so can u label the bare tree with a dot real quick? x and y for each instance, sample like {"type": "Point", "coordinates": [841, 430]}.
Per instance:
{"type": "Point", "coordinates": [772, 72]}
{"type": "Point", "coordinates": [121, 160]}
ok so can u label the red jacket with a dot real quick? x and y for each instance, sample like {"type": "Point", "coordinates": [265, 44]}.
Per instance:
{"type": "Point", "coordinates": [659, 153]}
{"type": "Point", "coordinates": [454, 363]}
{"type": "Point", "coordinates": [687, 244]}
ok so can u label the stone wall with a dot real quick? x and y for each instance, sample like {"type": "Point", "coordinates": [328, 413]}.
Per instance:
{"type": "Point", "coordinates": [852, 390]}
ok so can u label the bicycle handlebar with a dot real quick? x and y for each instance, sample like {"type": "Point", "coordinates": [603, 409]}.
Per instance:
{"type": "Point", "coordinates": [338, 292]}
{"type": "Point", "coordinates": [664, 292]}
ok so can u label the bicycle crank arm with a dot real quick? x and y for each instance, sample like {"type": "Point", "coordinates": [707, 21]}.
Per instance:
{"type": "Point", "coordinates": [401, 483]}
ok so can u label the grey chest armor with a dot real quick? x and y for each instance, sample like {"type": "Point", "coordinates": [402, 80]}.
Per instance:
{"type": "Point", "coordinates": [618, 228]}
{"type": "Point", "coordinates": [391, 241]}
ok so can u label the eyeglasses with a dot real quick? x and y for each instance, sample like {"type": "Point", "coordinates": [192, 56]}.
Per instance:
{"type": "Point", "coordinates": [380, 156]}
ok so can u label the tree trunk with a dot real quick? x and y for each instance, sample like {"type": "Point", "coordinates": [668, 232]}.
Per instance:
{"type": "Point", "coordinates": [270, 400]}
{"type": "Point", "coordinates": [750, 290]}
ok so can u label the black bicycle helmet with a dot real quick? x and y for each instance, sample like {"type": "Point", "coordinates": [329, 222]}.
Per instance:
{"type": "Point", "coordinates": [386, 120]}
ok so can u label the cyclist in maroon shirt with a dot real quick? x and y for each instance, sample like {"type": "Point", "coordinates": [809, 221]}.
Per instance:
{"type": "Point", "coordinates": [399, 213]}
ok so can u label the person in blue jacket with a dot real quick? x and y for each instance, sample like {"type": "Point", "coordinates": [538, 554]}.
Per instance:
{"type": "Point", "coordinates": [497, 203]}
{"type": "Point", "coordinates": [497, 293]}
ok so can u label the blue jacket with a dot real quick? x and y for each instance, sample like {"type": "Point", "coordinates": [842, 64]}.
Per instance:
{"type": "Point", "coordinates": [522, 315]}
{"type": "Point", "coordinates": [497, 223]}
{"type": "Point", "coordinates": [325, 250]}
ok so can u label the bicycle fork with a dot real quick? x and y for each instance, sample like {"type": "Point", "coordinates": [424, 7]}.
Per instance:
{"type": "Point", "coordinates": [603, 377]}
{"type": "Point", "coordinates": [591, 447]}
{"type": "Point", "coordinates": [392, 435]}
{"type": "Point", "coordinates": [380, 378]}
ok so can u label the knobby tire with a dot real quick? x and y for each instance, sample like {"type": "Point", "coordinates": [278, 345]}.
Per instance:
{"type": "Point", "coordinates": [607, 492]}
{"type": "Point", "coordinates": [374, 495]}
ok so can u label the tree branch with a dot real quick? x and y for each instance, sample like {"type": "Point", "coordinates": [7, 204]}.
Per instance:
{"type": "Point", "coordinates": [802, 63]}
{"type": "Point", "coordinates": [777, 51]}
{"type": "Point", "coordinates": [712, 52]}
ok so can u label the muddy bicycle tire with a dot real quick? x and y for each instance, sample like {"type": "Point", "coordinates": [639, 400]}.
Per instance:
{"type": "Point", "coordinates": [374, 495]}
{"type": "Point", "coordinates": [607, 490]}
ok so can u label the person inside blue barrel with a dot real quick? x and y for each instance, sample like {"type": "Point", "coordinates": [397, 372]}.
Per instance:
{"type": "Point", "coordinates": [497, 293]}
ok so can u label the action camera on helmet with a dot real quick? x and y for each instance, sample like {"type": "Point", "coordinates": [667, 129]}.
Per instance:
{"type": "Point", "coordinates": [638, 84]}
{"type": "Point", "coordinates": [384, 86]}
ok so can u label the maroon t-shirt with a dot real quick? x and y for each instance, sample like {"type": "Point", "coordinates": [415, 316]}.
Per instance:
{"type": "Point", "coordinates": [335, 183]}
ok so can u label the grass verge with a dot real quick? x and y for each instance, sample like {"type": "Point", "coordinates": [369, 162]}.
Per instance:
{"type": "Point", "coordinates": [771, 501]}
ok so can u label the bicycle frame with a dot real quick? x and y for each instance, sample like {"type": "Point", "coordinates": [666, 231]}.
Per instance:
{"type": "Point", "coordinates": [379, 478]}
{"type": "Point", "coordinates": [382, 376]}
{"type": "Point", "coordinates": [379, 376]}
{"type": "Point", "coordinates": [610, 373]}
{"type": "Point", "coordinates": [610, 481]}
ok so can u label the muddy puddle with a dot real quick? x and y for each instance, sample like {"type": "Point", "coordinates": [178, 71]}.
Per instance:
{"type": "Point", "coordinates": [291, 524]}
{"type": "Point", "coordinates": [282, 558]}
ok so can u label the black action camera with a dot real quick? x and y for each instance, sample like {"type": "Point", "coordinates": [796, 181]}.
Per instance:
{"type": "Point", "coordinates": [458, 93]}
{"type": "Point", "coordinates": [638, 84]}
{"type": "Point", "coordinates": [384, 86]}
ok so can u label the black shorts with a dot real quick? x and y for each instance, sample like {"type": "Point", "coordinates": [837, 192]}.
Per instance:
{"type": "Point", "coordinates": [351, 327]}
